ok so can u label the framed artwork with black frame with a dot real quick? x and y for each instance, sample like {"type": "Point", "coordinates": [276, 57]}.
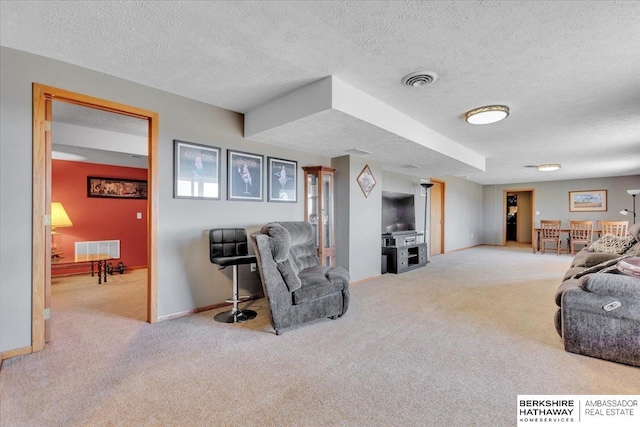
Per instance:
{"type": "Point", "coordinates": [283, 180]}
{"type": "Point", "coordinates": [119, 188]}
{"type": "Point", "coordinates": [196, 171]}
{"type": "Point", "coordinates": [244, 176]}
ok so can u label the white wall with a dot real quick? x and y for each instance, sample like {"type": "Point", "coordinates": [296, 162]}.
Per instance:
{"type": "Point", "coordinates": [463, 213]}
{"type": "Point", "coordinates": [552, 201]}
{"type": "Point", "coordinates": [359, 244]}
{"type": "Point", "coordinates": [186, 278]}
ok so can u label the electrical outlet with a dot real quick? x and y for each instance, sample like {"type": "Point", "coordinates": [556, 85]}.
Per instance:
{"type": "Point", "coordinates": [472, 235]}
{"type": "Point", "coordinates": [253, 266]}
{"type": "Point", "coordinates": [139, 215]}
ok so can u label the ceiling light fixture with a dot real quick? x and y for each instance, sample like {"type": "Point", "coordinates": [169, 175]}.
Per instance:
{"type": "Point", "coordinates": [549, 167]}
{"type": "Point", "coordinates": [419, 78]}
{"type": "Point", "coordinates": [487, 114]}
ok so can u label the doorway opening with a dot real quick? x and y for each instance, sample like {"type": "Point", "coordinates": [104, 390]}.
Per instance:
{"type": "Point", "coordinates": [519, 217]}
{"type": "Point", "coordinates": [436, 217]}
{"type": "Point", "coordinates": [43, 97]}
{"type": "Point", "coordinates": [99, 167]}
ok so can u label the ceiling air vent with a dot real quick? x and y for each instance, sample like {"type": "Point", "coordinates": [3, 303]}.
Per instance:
{"type": "Point", "coordinates": [419, 78]}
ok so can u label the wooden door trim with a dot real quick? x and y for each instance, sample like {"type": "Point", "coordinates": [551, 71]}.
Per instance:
{"type": "Point", "coordinates": [444, 195]}
{"type": "Point", "coordinates": [504, 210]}
{"type": "Point", "coordinates": [40, 181]}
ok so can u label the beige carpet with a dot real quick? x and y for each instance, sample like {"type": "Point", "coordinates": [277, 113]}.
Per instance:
{"type": "Point", "coordinates": [452, 344]}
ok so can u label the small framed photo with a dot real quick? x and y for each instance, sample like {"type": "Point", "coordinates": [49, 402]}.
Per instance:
{"type": "Point", "coordinates": [118, 188]}
{"type": "Point", "coordinates": [244, 180]}
{"type": "Point", "coordinates": [283, 180]}
{"type": "Point", "coordinates": [366, 181]}
{"type": "Point", "coordinates": [588, 201]}
{"type": "Point", "coordinates": [196, 171]}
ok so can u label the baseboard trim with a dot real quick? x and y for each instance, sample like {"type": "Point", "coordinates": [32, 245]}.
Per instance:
{"type": "Point", "coordinates": [467, 247]}
{"type": "Point", "coordinates": [205, 308]}
{"type": "Point", "coordinates": [16, 352]}
{"type": "Point", "coordinates": [366, 279]}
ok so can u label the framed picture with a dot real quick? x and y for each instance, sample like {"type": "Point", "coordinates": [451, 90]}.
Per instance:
{"type": "Point", "coordinates": [119, 188]}
{"type": "Point", "coordinates": [196, 171]}
{"type": "Point", "coordinates": [283, 180]}
{"type": "Point", "coordinates": [244, 180]}
{"type": "Point", "coordinates": [588, 201]}
{"type": "Point", "coordinates": [366, 181]}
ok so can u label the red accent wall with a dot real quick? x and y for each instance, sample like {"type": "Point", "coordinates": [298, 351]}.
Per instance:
{"type": "Point", "coordinates": [100, 218]}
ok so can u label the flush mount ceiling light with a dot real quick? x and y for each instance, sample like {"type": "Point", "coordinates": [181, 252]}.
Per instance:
{"type": "Point", "coordinates": [487, 114]}
{"type": "Point", "coordinates": [549, 167]}
{"type": "Point", "coordinates": [419, 78]}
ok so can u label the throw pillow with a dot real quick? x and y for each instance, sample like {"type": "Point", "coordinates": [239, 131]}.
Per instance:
{"type": "Point", "coordinates": [612, 244]}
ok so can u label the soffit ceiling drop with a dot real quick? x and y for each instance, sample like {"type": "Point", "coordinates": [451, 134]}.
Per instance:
{"type": "Point", "coordinates": [567, 70]}
{"type": "Point", "coordinates": [330, 112]}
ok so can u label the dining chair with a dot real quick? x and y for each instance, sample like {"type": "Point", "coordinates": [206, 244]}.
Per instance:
{"type": "Point", "coordinates": [580, 233]}
{"type": "Point", "coordinates": [550, 233]}
{"type": "Point", "coordinates": [617, 228]}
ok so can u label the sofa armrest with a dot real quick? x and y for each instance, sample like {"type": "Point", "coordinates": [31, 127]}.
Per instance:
{"type": "Point", "coordinates": [615, 285]}
{"type": "Point", "coordinates": [567, 284]}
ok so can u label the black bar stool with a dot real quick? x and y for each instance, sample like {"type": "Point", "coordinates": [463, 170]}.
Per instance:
{"type": "Point", "coordinates": [228, 247]}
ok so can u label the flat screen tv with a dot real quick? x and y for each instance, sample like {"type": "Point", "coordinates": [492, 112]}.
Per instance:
{"type": "Point", "coordinates": [398, 213]}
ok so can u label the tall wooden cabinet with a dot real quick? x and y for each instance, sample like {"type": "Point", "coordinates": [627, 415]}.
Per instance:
{"type": "Point", "coordinates": [318, 210]}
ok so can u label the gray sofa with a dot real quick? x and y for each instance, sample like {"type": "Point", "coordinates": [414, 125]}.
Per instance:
{"type": "Point", "coordinates": [297, 288]}
{"type": "Point", "coordinates": [599, 308]}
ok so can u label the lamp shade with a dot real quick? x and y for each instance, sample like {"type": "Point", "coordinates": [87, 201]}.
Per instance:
{"type": "Point", "coordinates": [59, 217]}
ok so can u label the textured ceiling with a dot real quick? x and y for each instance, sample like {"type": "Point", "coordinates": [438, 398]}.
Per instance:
{"type": "Point", "coordinates": [569, 71]}
{"type": "Point", "coordinates": [72, 114]}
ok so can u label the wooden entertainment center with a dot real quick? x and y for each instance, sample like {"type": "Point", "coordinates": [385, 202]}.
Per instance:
{"type": "Point", "coordinates": [404, 252]}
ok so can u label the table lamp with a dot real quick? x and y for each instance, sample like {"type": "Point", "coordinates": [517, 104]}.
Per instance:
{"type": "Point", "coordinates": [59, 218]}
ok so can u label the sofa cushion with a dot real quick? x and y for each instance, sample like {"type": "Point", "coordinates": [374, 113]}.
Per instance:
{"type": "Point", "coordinates": [303, 252]}
{"type": "Point", "coordinates": [633, 250]}
{"type": "Point", "coordinates": [585, 258]}
{"type": "Point", "coordinates": [612, 244]}
{"type": "Point", "coordinates": [289, 275]}
{"type": "Point", "coordinates": [618, 285]}
{"type": "Point", "coordinates": [279, 242]}
{"type": "Point", "coordinates": [317, 282]}
{"type": "Point", "coordinates": [634, 230]}
{"type": "Point", "coordinates": [604, 267]}
{"type": "Point", "coordinates": [572, 272]}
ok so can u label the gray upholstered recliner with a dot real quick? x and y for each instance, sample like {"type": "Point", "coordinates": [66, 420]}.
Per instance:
{"type": "Point", "coordinates": [297, 288]}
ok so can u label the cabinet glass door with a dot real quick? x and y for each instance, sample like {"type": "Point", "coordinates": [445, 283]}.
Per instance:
{"type": "Point", "coordinates": [319, 210]}
{"type": "Point", "coordinates": [327, 212]}
{"type": "Point", "coordinates": [312, 206]}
